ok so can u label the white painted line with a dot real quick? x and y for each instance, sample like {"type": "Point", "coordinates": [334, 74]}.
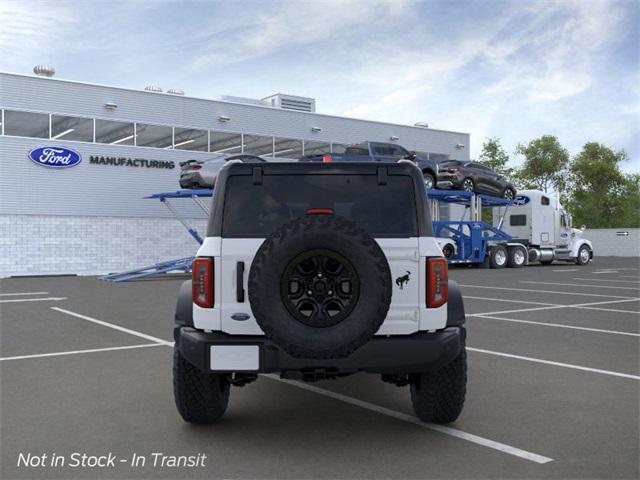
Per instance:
{"type": "Point", "coordinates": [611, 310]}
{"type": "Point", "coordinates": [115, 327]}
{"type": "Point", "coordinates": [75, 352]}
{"type": "Point", "coordinates": [552, 306]}
{"type": "Point", "coordinates": [485, 442]}
{"type": "Point", "coordinates": [604, 280]}
{"type": "Point", "coordinates": [545, 291]}
{"type": "Point", "coordinates": [546, 324]}
{"type": "Point", "coordinates": [509, 301]}
{"type": "Point", "coordinates": [47, 299]}
{"type": "Point", "coordinates": [557, 364]}
{"type": "Point", "coordinates": [581, 285]}
{"type": "Point", "coordinates": [628, 276]}
{"type": "Point", "coordinates": [605, 272]}
{"type": "Point", "coordinates": [567, 270]}
{"type": "Point", "coordinates": [23, 293]}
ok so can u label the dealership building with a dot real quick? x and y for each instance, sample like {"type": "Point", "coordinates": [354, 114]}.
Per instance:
{"type": "Point", "coordinates": [91, 217]}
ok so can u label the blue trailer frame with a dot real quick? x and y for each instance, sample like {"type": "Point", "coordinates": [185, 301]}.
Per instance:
{"type": "Point", "coordinates": [178, 264]}
{"type": "Point", "coordinates": [474, 237]}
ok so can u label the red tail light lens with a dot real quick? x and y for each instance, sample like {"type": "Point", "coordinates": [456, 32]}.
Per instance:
{"type": "Point", "coordinates": [326, 158]}
{"type": "Point", "coordinates": [454, 170]}
{"type": "Point", "coordinates": [319, 211]}
{"type": "Point", "coordinates": [437, 282]}
{"type": "Point", "coordinates": [202, 282]}
{"type": "Point", "coordinates": [196, 167]}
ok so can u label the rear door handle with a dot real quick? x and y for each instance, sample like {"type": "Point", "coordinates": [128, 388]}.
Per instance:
{"type": "Point", "coordinates": [240, 282]}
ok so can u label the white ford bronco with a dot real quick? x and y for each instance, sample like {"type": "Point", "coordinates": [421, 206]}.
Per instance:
{"type": "Point", "coordinates": [316, 271]}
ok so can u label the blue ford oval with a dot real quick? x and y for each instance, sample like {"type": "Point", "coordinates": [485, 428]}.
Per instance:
{"type": "Point", "coordinates": [55, 157]}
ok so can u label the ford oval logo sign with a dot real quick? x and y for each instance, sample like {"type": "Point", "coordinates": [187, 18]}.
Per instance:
{"type": "Point", "coordinates": [521, 200]}
{"type": "Point", "coordinates": [55, 157]}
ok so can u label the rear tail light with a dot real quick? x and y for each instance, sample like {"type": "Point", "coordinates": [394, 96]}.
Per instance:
{"type": "Point", "coordinates": [319, 211]}
{"type": "Point", "coordinates": [202, 282]}
{"type": "Point", "coordinates": [196, 167]}
{"type": "Point", "coordinates": [326, 158]}
{"type": "Point", "coordinates": [454, 170]}
{"type": "Point", "coordinates": [437, 282]}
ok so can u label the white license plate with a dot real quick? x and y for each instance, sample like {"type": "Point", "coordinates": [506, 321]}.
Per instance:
{"type": "Point", "coordinates": [234, 357]}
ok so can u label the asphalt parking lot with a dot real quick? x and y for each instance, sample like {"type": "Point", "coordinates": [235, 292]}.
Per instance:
{"type": "Point", "coordinates": [554, 383]}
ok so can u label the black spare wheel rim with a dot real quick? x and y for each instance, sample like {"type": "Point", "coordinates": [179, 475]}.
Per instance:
{"type": "Point", "coordinates": [320, 288]}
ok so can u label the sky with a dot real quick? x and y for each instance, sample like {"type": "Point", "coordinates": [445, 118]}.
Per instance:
{"type": "Point", "coordinates": [509, 69]}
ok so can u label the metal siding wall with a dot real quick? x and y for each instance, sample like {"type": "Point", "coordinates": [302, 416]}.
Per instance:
{"type": "Point", "coordinates": [607, 243]}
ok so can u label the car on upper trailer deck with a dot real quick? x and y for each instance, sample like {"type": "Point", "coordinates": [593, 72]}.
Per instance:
{"type": "Point", "coordinates": [474, 177]}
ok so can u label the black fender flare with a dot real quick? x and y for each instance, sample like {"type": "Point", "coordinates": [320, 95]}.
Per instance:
{"type": "Point", "coordinates": [455, 306]}
{"type": "Point", "coordinates": [184, 305]}
{"type": "Point", "coordinates": [429, 171]}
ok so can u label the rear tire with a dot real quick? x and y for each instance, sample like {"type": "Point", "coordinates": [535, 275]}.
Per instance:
{"type": "Point", "coordinates": [468, 185]}
{"type": "Point", "coordinates": [438, 397]}
{"type": "Point", "coordinates": [517, 257]}
{"type": "Point", "coordinates": [429, 180]}
{"type": "Point", "coordinates": [498, 257]}
{"type": "Point", "coordinates": [200, 397]}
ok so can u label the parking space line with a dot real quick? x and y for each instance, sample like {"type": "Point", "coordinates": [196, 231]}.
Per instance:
{"type": "Point", "coordinates": [557, 364]}
{"type": "Point", "coordinates": [511, 301]}
{"type": "Point", "coordinates": [628, 276]}
{"type": "Point", "coordinates": [485, 442]}
{"type": "Point", "coordinates": [558, 325]}
{"type": "Point", "coordinates": [115, 327]}
{"type": "Point", "coordinates": [582, 285]}
{"type": "Point", "coordinates": [531, 290]}
{"type": "Point", "coordinates": [75, 352]}
{"type": "Point", "coordinates": [604, 280]}
{"type": "Point", "coordinates": [567, 270]}
{"type": "Point", "coordinates": [19, 300]}
{"type": "Point", "coordinates": [552, 306]}
{"type": "Point", "coordinates": [23, 293]}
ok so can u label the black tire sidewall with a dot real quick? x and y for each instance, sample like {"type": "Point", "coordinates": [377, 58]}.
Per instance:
{"type": "Point", "coordinates": [493, 262]}
{"type": "Point", "coordinates": [303, 235]}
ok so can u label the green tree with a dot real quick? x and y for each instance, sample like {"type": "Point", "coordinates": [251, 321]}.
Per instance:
{"type": "Point", "coordinates": [545, 164]}
{"type": "Point", "coordinates": [494, 156]}
{"type": "Point", "coordinates": [600, 195]}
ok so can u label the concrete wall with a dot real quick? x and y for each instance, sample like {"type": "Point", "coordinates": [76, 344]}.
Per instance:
{"type": "Point", "coordinates": [608, 242]}
{"type": "Point", "coordinates": [49, 245]}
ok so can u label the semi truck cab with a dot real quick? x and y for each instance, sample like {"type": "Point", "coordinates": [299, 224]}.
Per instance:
{"type": "Point", "coordinates": [538, 221]}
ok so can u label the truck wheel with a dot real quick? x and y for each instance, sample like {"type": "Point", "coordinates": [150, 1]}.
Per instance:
{"type": "Point", "coordinates": [429, 181]}
{"type": "Point", "coordinates": [200, 397]}
{"type": "Point", "coordinates": [438, 397]}
{"type": "Point", "coordinates": [320, 287]}
{"type": "Point", "coordinates": [517, 257]}
{"type": "Point", "coordinates": [584, 255]}
{"type": "Point", "coordinates": [498, 257]}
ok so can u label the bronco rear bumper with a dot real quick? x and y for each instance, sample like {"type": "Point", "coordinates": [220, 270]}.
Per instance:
{"type": "Point", "coordinates": [420, 352]}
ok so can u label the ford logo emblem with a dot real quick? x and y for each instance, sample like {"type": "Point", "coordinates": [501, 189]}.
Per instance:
{"type": "Point", "coordinates": [521, 200]}
{"type": "Point", "coordinates": [55, 157]}
{"type": "Point", "coordinates": [240, 317]}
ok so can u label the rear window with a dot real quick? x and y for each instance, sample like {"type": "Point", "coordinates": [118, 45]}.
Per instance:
{"type": "Point", "coordinates": [356, 151]}
{"type": "Point", "coordinates": [257, 210]}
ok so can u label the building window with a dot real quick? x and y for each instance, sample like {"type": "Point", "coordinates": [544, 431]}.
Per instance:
{"type": "Point", "coordinates": [287, 148]}
{"type": "Point", "coordinates": [338, 147]}
{"type": "Point", "coordinates": [316, 148]}
{"type": "Point", "coordinates": [544, 200]}
{"type": "Point", "coordinates": [114, 133]}
{"type": "Point", "coordinates": [157, 136]}
{"type": "Point", "coordinates": [190, 139]}
{"type": "Point", "coordinates": [224, 142]}
{"type": "Point", "coordinates": [26, 124]}
{"type": "Point", "coordinates": [71, 128]}
{"type": "Point", "coordinates": [258, 145]}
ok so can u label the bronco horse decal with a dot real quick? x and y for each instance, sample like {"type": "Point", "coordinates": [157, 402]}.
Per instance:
{"type": "Point", "coordinates": [400, 281]}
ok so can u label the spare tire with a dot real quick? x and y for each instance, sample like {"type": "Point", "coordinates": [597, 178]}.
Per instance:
{"type": "Point", "coordinates": [320, 287]}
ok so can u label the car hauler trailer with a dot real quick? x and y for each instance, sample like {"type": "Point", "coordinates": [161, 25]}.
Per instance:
{"type": "Point", "coordinates": [470, 240]}
{"type": "Point", "coordinates": [538, 221]}
{"type": "Point", "coordinates": [532, 228]}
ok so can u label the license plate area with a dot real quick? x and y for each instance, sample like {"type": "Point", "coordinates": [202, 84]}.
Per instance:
{"type": "Point", "coordinates": [233, 358]}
